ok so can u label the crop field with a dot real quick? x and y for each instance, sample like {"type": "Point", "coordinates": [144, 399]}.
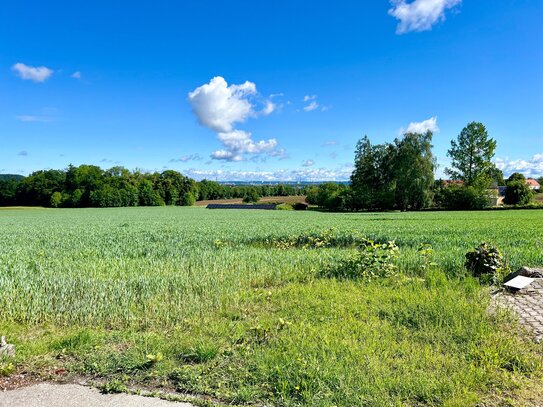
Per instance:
{"type": "Point", "coordinates": [205, 303]}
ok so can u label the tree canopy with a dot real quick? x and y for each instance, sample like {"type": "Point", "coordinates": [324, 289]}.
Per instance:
{"type": "Point", "coordinates": [393, 175]}
{"type": "Point", "coordinates": [471, 156]}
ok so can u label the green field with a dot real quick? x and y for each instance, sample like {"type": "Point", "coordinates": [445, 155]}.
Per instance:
{"type": "Point", "coordinates": [194, 300]}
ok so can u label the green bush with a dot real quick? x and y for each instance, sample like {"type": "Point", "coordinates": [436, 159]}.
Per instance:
{"type": "Point", "coordinates": [486, 262]}
{"type": "Point", "coordinates": [462, 198]}
{"type": "Point", "coordinates": [284, 207]}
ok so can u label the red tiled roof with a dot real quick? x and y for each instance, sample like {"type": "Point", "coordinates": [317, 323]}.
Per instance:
{"type": "Point", "coordinates": [532, 182]}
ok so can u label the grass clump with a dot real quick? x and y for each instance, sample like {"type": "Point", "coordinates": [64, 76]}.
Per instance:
{"type": "Point", "coordinates": [371, 260]}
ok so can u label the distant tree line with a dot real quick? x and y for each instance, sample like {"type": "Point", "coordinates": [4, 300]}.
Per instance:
{"type": "Point", "coordinates": [400, 176]}
{"type": "Point", "coordinates": [388, 176]}
{"type": "Point", "coordinates": [92, 186]}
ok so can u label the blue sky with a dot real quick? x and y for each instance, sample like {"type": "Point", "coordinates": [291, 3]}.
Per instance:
{"type": "Point", "coordinates": [263, 90]}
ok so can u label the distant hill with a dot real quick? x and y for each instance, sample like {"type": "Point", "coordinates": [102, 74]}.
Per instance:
{"type": "Point", "coordinates": [16, 177]}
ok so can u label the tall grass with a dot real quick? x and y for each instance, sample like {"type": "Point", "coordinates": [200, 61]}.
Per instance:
{"type": "Point", "coordinates": [252, 323]}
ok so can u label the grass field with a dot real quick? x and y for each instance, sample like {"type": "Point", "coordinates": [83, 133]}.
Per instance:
{"type": "Point", "coordinates": [183, 298]}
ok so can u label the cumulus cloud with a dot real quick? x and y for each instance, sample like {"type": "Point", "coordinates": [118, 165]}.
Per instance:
{"type": "Point", "coordinates": [419, 15]}
{"type": "Point", "coordinates": [422, 127]}
{"type": "Point", "coordinates": [530, 168]}
{"type": "Point", "coordinates": [219, 107]}
{"type": "Point", "coordinates": [308, 163]}
{"type": "Point", "coordinates": [237, 143]}
{"type": "Point", "coordinates": [32, 73]}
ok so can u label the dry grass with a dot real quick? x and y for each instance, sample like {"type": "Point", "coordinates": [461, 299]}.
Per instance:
{"type": "Point", "coordinates": [266, 199]}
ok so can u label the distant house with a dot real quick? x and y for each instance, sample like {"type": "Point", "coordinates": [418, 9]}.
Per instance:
{"type": "Point", "coordinates": [533, 184]}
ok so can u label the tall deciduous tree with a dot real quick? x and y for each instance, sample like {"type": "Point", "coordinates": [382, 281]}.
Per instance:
{"type": "Point", "coordinates": [414, 166]}
{"type": "Point", "coordinates": [471, 156]}
{"type": "Point", "coordinates": [372, 182]}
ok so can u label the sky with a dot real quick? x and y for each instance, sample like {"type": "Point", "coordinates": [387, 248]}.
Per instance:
{"type": "Point", "coordinates": [251, 90]}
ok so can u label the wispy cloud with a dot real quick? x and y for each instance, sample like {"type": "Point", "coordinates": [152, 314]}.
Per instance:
{"type": "Point", "coordinates": [186, 158]}
{"type": "Point", "coordinates": [308, 163]}
{"type": "Point", "coordinates": [76, 75]}
{"type": "Point", "coordinates": [419, 15]}
{"type": "Point", "coordinates": [34, 118]}
{"type": "Point", "coordinates": [421, 127]}
{"type": "Point", "coordinates": [310, 174]}
{"type": "Point", "coordinates": [219, 107]}
{"type": "Point", "coordinates": [330, 143]}
{"type": "Point", "coordinates": [312, 104]}
{"type": "Point", "coordinates": [32, 73]}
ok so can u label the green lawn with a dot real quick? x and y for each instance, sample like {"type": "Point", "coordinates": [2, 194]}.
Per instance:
{"type": "Point", "coordinates": [183, 298]}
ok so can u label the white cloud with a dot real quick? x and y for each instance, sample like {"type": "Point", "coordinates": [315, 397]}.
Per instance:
{"type": "Point", "coordinates": [219, 106]}
{"type": "Point", "coordinates": [312, 106]}
{"type": "Point", "coordinates": [308, 163]}
{"type": "Point", "coordinates": [419, 15]}
{"type": "Point", "coordinates": [331, 143]}
{"type": "Point", "coordinates": [421, 127]}
{"type": "Point", "coordinates": [237, 143]}
{"type": "Point", "coordinates": [310, 174]}
{"type": "Point", "coordinates": [530, 168]}
{"type": "Point", "coordinates": [76, 75]}
{"type": "Point", "coordinates": [269, 108]}
{"type": "Point", "coordinates": [36, 74]}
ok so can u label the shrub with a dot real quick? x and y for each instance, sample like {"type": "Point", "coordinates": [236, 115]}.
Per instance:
{"type": "Point", "coordinates": [486, 262]}
{"type": "Point", "coordinates": [462, 198]}
{"type": "Point", "coordinates": [518, 193]}
{"type": "Point", "coordinates": [284, 207]}
{"type": "Point", "coordinates": [372, 260]}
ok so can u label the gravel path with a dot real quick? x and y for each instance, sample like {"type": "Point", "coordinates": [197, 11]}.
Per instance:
{"type": "Point", "coordinates": [73, 395]}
